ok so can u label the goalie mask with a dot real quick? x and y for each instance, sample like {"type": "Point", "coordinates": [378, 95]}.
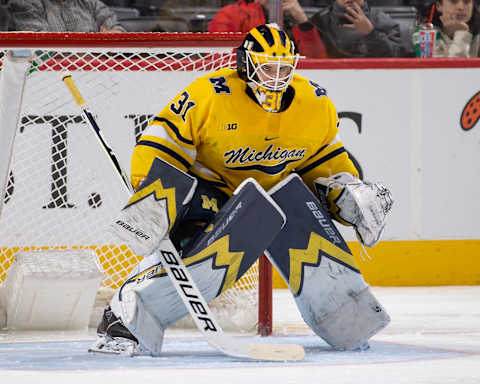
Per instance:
{"type": "Point", "coordinates": [266, 60]}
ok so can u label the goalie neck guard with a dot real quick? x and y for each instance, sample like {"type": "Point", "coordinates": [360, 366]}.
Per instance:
{"type": "Point", "coordinates": [266, 60]}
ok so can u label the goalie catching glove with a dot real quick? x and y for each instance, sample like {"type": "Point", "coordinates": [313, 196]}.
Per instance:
{"type": "Point", "coordinates": [359, 203]}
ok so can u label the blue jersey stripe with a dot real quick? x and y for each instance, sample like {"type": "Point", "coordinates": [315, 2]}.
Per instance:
{"type": "Point", "coordinates": [322, 160]}
{"type": "Point", "coordinates": [166, 150]}
{"type": "Point", "coordinates": [174, 129]}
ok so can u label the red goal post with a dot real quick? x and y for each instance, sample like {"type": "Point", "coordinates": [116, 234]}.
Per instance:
{"type": "Point", "coordinates": [59, 192]}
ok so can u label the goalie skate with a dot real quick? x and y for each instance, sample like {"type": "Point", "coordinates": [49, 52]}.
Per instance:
{"type": "Point", "coordinates": [114, 346]}
{"type": "Point", "coordinates": [115, 339]}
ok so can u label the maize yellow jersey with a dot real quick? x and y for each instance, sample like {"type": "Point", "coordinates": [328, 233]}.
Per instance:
{"type": "Point", "coordinates": [216, 131]}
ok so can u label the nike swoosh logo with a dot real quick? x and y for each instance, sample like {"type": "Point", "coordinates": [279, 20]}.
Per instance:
{"type": "Point", "coordinates": [271, 138]}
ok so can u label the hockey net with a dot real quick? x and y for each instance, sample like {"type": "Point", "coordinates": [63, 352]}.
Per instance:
{"type": "Point", "coordinates": [60, 193]}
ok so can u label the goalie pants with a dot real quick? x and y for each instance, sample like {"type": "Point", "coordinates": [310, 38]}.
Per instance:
{"type": "Point", "coordinates": [205, 204]}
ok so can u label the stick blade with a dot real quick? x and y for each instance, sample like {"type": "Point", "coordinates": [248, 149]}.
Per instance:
{"type": "Point", "coordinates": [276, 352]}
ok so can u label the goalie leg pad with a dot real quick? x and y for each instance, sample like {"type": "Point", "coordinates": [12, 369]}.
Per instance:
{"type": "Point", "coordinates": [354, 322]}
{"type": "Point", "coordinates": [321, 271]}
{"type": "Point", "coordinates": [152, 211]}
{"type": "Point", "coordinates": [239, 234]}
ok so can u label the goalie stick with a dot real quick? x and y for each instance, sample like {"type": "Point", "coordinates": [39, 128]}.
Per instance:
{"type": "Point", "coordinates": [174, 266]}
{"type": "Point", "coordinates": [77, 96]}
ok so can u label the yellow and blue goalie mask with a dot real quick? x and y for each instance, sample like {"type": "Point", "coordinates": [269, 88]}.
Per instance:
{"type": "Point", "coordinates": [267, 61]}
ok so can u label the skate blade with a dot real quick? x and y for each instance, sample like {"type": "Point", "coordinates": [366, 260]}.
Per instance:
{"type": "Point", "coordinates": [117, 346]}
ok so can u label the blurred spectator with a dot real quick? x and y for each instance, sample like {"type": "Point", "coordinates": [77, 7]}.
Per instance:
{"type": "Point", "coordinates": [63, 16]}
{"type": "Point", "coordinates": [350, 28]}
{"type": "Point", "coordinates": [457, 28]}
{"type": "Point", "coordinates": [247, 14]}
{"type": "Point", "coordinates": [239, 17]}
{"type": "Point", "coordinates": [4, 18]}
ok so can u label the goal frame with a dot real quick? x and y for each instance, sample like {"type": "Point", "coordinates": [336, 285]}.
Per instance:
{"type": "Point", "coordinates": [32, 40]}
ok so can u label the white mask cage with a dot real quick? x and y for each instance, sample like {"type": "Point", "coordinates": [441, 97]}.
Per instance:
{"type": "Point", "coordinates": [272, 72]}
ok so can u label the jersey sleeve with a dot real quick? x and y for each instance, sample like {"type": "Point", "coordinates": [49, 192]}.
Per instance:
{"type": "Point", "coordinates": [172, 135]}
{"type": "Point", "coordinates": [330, 158]}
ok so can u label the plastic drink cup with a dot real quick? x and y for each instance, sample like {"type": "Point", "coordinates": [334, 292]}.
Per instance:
{"type": "Point", "coordinates": [426, 40]}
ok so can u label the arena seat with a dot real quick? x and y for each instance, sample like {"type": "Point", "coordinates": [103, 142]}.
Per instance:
{"type": "Point", "coordinates": [125, 12]}
{"type": "Point", "coordinates": [406, 17]}
{"type": "Point", "coordinates": [155, 24]}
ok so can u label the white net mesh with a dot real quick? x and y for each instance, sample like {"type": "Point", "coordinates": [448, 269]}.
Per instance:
{"type": "Point", "coordinates": [61, 192]}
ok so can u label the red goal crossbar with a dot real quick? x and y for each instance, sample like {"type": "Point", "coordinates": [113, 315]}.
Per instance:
{"type": "Point", "coordinates": [214, 40]}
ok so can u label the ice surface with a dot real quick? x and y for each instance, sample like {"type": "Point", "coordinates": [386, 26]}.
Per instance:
{"type": "Point", "coordinates": [434, 337]}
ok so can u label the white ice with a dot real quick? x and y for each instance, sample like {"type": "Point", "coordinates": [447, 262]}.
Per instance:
{"type": "Point", "coordinates": [434, 338]}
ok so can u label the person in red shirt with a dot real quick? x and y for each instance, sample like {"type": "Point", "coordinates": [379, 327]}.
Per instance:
{"type": "Point", "coordinates": [239, 17]}
{"type": "Point", "coordinates": [247, 14]}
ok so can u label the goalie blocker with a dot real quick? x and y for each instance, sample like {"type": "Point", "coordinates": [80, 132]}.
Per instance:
{"type": "Point", "coordinates": [153, 210]}
{"type": "Point", "coordinates": [321, 272]}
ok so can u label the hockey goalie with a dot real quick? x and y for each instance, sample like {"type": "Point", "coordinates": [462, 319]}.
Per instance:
{"type": "Point", "coordinates": [246, 161]}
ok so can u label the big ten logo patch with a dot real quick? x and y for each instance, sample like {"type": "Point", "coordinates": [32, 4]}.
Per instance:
{"type": "Point", "coordinates": [471, 112]}
{"type": "Point", "coordinates": [209, 204]}
{"type": "Point", "coordinates": [230, 126]}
